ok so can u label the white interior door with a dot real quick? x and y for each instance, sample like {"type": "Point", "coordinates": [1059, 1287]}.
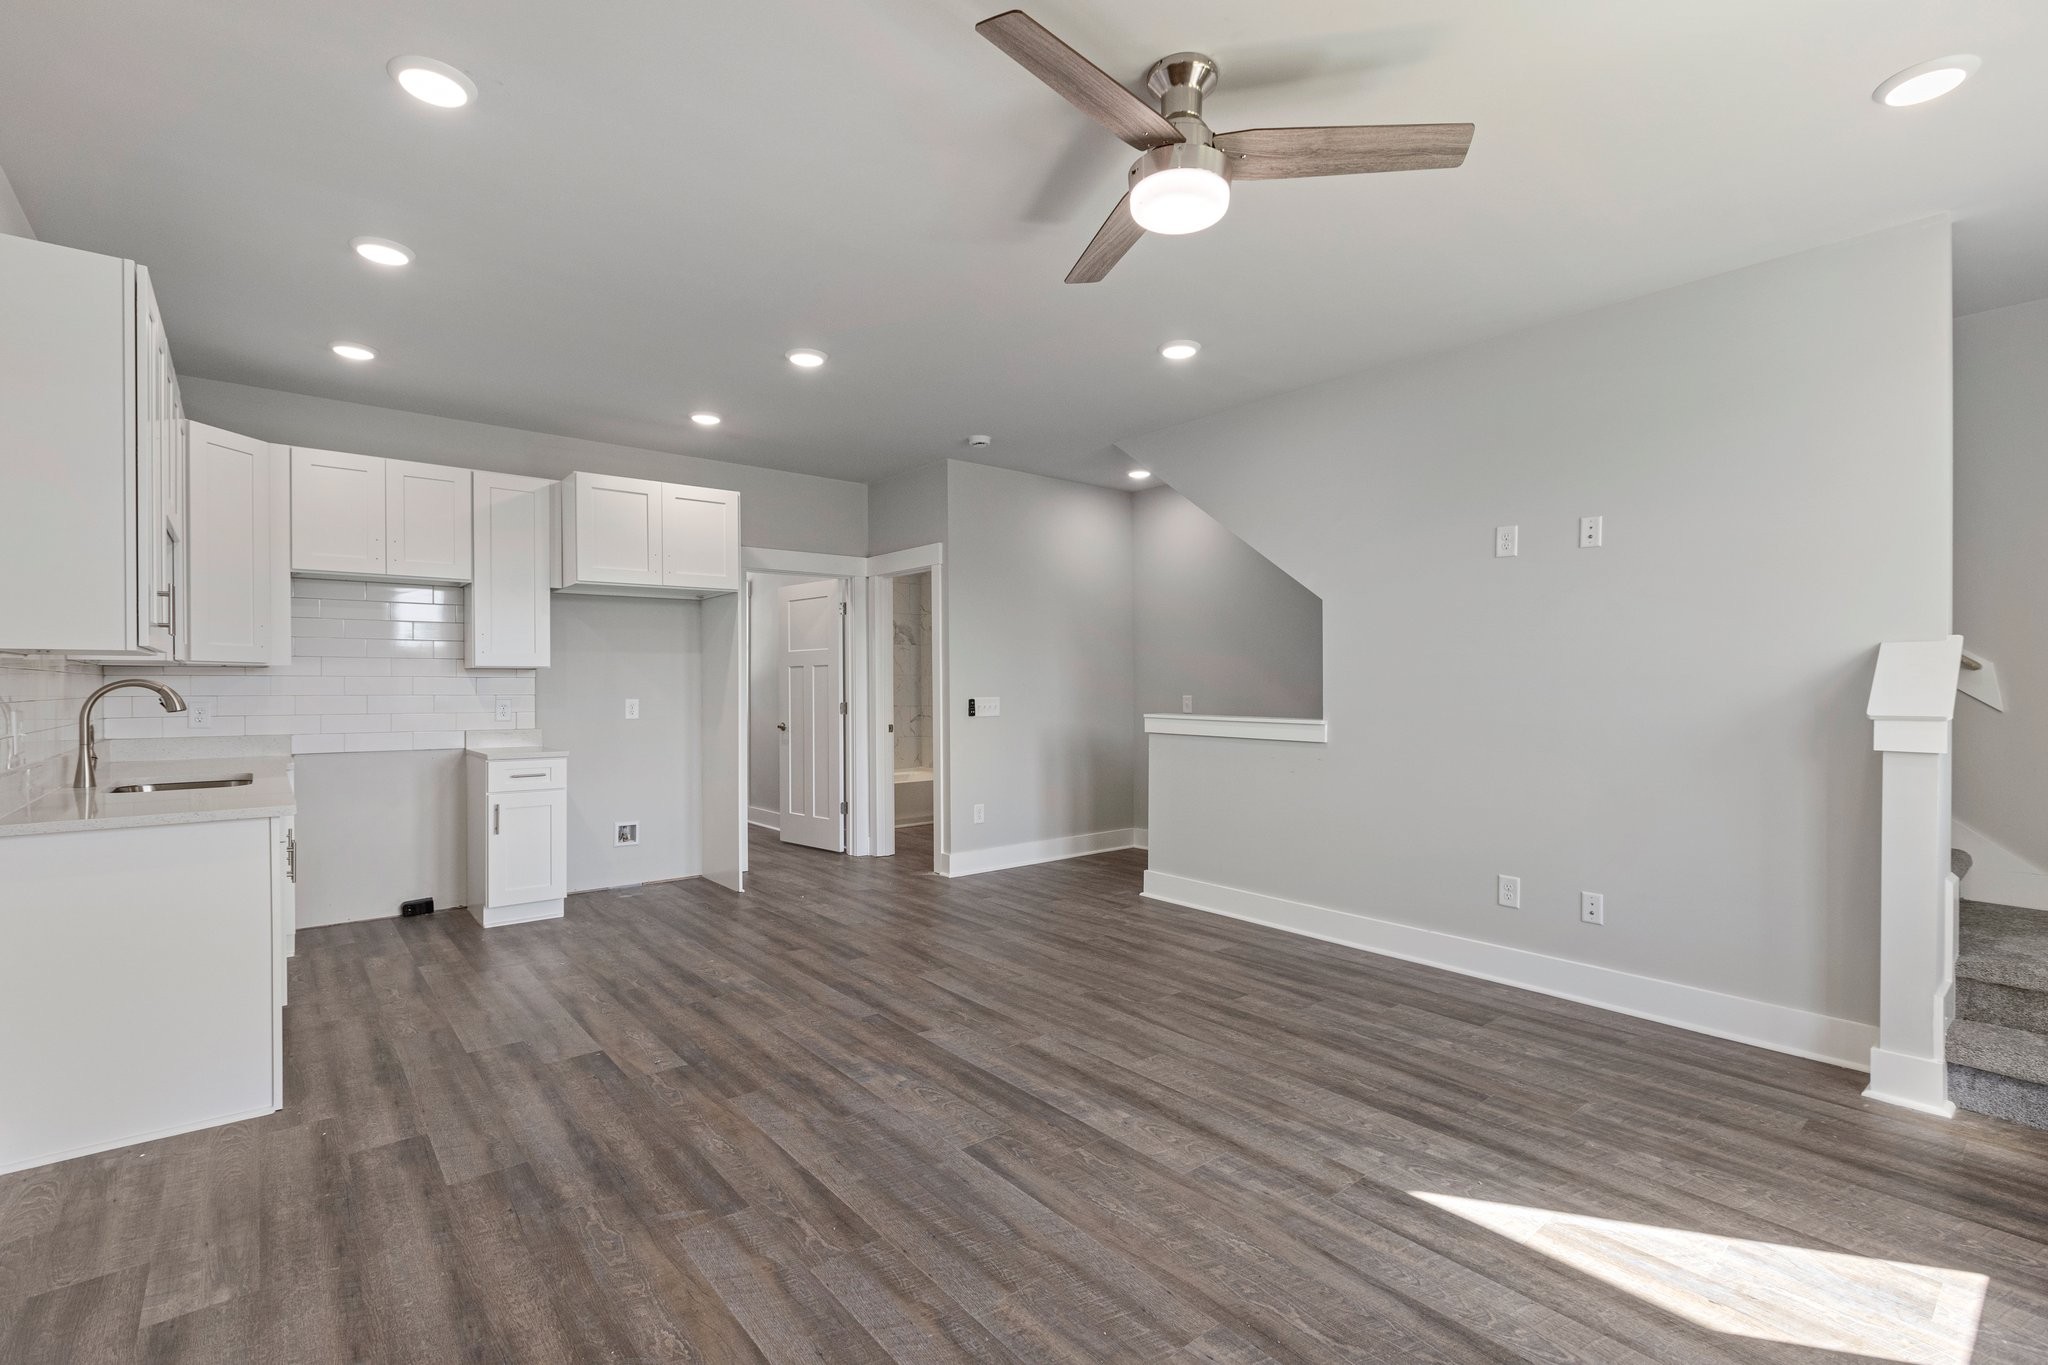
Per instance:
{"type": "Point", "coordinates": [813, 721]}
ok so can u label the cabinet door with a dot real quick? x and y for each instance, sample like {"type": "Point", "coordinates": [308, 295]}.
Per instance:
{"type": "Point", "coordinates": [426, 521]}
{"type": "Point", "coordinates": [700, 538]}
{"type": "Point", "coordinates": [337, 512]}
{"type": "Point", "coordinates": [508, 598]}
{"type": "Point", "coordinates": [618, 530]}
{"type": "Point", "coordinates": [529, 846]}
{"type": "Point", "coordinates": [157, 470]}
{"type": "Point", "coordinates": [237, 586]}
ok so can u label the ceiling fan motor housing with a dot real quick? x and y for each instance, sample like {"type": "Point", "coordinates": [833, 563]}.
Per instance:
{"type": "Point", "coordinates": [1180, 82]}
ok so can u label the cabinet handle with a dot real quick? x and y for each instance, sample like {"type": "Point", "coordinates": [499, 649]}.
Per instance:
{"type": "Point", "coordinates": [170, 610]}
{"type": "Point", "coordinates": [494, 817]}
{"type": "Point", "coordinates": [521, 775]}
{"type": "Point", "coordinates": [291, 856]}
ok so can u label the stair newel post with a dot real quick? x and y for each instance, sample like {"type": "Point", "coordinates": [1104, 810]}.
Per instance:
{"type": "Point", "coordinates": [1912, 713]}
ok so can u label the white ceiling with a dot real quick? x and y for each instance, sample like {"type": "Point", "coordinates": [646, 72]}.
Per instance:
{"type": "Point", "coordinates": [652, 201]}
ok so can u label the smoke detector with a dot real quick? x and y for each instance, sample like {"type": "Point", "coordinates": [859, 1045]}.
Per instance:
{"type": "Point", "coordinates": [978, 442]}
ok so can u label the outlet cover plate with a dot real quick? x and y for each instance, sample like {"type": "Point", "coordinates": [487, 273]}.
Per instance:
{"type": "Point", "coordinates": [1510, 892]}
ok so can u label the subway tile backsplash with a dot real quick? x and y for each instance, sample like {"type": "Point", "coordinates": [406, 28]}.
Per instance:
{"type": "Point", "coordinates": [39, 699]}
{"type": "Point", "coordinates": [375, 666]}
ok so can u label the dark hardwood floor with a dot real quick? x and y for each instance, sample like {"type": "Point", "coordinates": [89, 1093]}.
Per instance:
{"type": "Point", "coordinates": [864, 1114]}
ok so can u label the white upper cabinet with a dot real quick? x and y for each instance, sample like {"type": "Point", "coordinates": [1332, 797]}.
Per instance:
{"type": "Point", "coordinates": [337, 512]}
{"type": "Point", "coordinates": [639, 536]}
{"type": "Point", "coordinates": [700, 538]}
{"type": "Point", "coordinates": [360, 516]}
{"type": "Point", "coordinates": [426, 521]}
{"type": "Point", "coordinates": [509, 605]}
{"type": "Point", "coordinates": [90, 430]}
{"type": "Point", "coordinates": [611, 530]}
{"type": "Point", "coordinates": [238, 584]}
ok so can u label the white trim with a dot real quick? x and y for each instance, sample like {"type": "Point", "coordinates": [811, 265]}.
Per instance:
{"type": "Point", "coordinates": [765, 818]}
{"type": "Point", "coordinates": [1912, 1082]}
{"type": "Point", "coordinates": [1823, 1038]}
{"type": "Point", "coordinates": [759, 559]}
{"type": "Point", "coordinates": [133, 1139]}
{"type": "Point", "coordinates": [498, 916]}
{"type": "Point", "coordinates": [979, 860]}
{"type": "Point", "coordinates": [1241, 727]}
{"type": "Point", "coordinates": [906, 561]}
{"type": "Point", "coordinates": [1997, 874]}
{"type": "Point", "coordinates": [1141, 838]}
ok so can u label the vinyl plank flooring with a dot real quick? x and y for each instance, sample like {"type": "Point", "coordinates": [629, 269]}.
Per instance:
{"type": "Point", "coordinates": [865, 1114]}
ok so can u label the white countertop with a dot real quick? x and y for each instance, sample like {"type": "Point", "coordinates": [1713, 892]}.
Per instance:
{"type": "Point", "coordinates": [68, 811]}
{"type": "Point", "coordinates": [516, 753]}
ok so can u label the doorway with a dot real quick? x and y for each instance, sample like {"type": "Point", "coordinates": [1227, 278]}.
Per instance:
{"type": "Point", "coordinates": [913, 702]}
{"type": "Point", "coordinates": [797, 727]}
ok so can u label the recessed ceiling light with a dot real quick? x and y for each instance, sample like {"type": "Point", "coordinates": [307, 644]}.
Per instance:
{"type": "Point", "coordinates": [706, 419]}
{"type": "Point", "coordinates": [382, 251]}
{"type": "Point", "coordinates": [1927, 81]}
{"type": "Point", "coordinates": [1141, 473]}
{"type": "Point", "coordinates": [804, 358]}
{"type": "Point", "coordinates": [1180, 350]}
{"type": "Point", "coordinates": [348, 350]}
{"type": "Point", "coordinates": [432, 82]}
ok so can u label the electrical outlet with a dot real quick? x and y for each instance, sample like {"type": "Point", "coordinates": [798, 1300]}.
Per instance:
{"type": "Point", "coordinates": [632, 708]}
{"type": "Point", "coordinates": [1507, 542]}
{"type": "Point", "coordinates": [199, 716]}
{"type": "Point", "coordinates": [1511, 892]}
{"type": "Point", "coordinates": [503, 710]}
{"type": "Point", "coordinates": [423, 906]}
{"type": "Point", "coordinates": [1187, 704]}
{"type": "Point", "coordinates": [980, 813]}
{"type": "Point", "coordinates": [628, 832]}
{"type": "Point", "coordinates": [1590, 532]}
{"type": "Point", "coordinates": [1592, 907]}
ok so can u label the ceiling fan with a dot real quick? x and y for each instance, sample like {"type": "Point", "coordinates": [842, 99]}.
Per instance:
{"type": "Point", "coordinates": [1182, 182]}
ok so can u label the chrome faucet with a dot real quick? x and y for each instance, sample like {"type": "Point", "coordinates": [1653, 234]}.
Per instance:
{"type": "Point", "coordinates": [88, 759]}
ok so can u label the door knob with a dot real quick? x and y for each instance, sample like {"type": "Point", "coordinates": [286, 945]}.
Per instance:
{"type": "Point", "coordinates": [780, 725]}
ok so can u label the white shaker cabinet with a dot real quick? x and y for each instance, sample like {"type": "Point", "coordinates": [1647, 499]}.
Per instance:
{"type": "Point", "coordinates": [237, 579]}
{"type": "Point", "coordinates": [337, 513]}
{"type": "Point", "coordinates": [361, 516]}
{"type": "Point", "coordinates": [426, 521]}
{"type": "Point", "coordinates": [518, 835]}
{"type": "Point", "coordinates": [511, 520]}
{"type": "Point", "coordinates": [644, 538]}
{"type": "Point", "coordinates": [700, 538]}
{"type": "Point", "coordinates": [611, 531]}
{"type": "Point", "coordinates": [90, 417]}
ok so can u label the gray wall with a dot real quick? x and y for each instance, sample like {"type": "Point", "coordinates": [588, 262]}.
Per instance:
{"type": "Point", "coordinates": [1218, 621]}
{"type": "Point", "coordinates": [12, 220]}
{"type": "Point", "coordinates": [376, 829]}
{"type": "Point", "coordinates": [2001, 774]}
{"type": "Point", "coordinates": [1675, 720]}
{"type": "Point", "coordinates": [908, 510]}
{"type": "Point", "coordinates": [780, 510]}
{"type": "Point", "coordinates": [605, 650]}
{"type": "Point", "coordinates": [1038, 602]}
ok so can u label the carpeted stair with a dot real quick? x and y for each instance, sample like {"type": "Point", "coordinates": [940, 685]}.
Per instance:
{"type": "Point", "coordinates": [1998, 1042]}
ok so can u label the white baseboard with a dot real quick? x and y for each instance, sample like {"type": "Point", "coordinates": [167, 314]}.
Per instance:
{"type": "Point", "coordinates": [978, 860]}
{"type": "Point", "coordinates": [765, 817]}
{"type": "Point", "coordinates": [1823, 1038]}
{"type": "Point", "coordinates": [498, 916]}
{"type": "Point", "coordinates": [1997, 874]}
{"type": "Point", "coordinates": [1915, 1082]}
{"type": "Point", "coordinates": [10, 1165]}
{"type": "Point", "coordinates": [1141, 838]}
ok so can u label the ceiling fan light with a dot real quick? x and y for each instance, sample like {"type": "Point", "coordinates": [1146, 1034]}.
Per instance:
{"type": "Point", "coordinates": [1179, 189]}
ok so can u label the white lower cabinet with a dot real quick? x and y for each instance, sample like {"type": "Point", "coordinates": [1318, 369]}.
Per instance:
{"type": "Point", "coordinates": [142, 983]}
{"type": "Point", "coordinates": [518, 835]}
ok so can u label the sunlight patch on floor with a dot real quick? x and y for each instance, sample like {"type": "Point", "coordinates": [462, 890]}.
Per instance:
{"type": "Point", "coordinates": [1888, 1310]}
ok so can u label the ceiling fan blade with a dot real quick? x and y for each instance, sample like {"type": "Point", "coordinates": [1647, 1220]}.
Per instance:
{"type": "Point", "coordinates": [1292, 153]}
{"type": "Point", "coordinates": [1119, 233]}
{"type": "Point", "coordinates": [1077, 80]}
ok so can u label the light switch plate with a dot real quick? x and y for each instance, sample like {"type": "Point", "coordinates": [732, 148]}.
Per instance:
{"type": "Point", "coordinates": [991, 706]}
{"type": "Point", "coordinates": [1592, 907]}
{"type": "Point", "coordinates": [1591, 532]}
{"type": "Point", "coordinates": [1507, 542]}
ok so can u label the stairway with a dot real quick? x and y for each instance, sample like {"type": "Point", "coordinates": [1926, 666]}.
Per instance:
{"type": "Point", "coordinates": [1998, 1042]}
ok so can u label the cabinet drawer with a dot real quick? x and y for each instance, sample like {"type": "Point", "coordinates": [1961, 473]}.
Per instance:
{"type": "Point", "coordinates": [540, 774]}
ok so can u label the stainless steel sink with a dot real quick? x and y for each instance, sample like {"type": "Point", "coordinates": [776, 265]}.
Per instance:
{"type": "Point", "coordinates": [240, 780]}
